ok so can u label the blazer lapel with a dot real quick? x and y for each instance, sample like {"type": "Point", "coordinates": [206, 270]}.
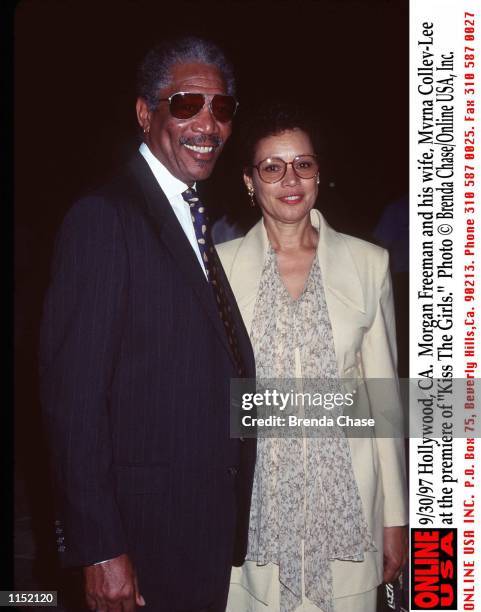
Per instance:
{"type": "Point", "coordinates": [338, 267]}
{"type": "Point", "coordinates": [159, 212]}
{"type": "Point", "coordinates": [247, 270]}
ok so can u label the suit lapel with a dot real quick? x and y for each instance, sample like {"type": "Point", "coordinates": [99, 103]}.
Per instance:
{"type": "Point", "coordinates": [158, 210]}
{"type": "Point", "coordinates": [245, 346]}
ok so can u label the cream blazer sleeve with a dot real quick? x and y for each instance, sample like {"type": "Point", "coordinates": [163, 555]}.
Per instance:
{"type": "Point", "coordinates": [379, 361]}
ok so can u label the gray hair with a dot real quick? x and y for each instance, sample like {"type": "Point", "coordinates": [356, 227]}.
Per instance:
{"type": "Point", "coordinates": [155, 69]}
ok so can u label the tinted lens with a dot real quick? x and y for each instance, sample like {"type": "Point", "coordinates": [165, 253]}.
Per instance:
{"type": "Point", "coordinates": [272, 169]}
{"type": "Point", "coordinates": [223, 107]}
{"type": "Point", "coordinates": [185, 106]}
{"type": "Point", "coordinates": [306, 166]}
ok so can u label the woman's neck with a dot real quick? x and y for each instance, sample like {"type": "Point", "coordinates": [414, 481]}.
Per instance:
{"type": "Point", "coordinates": [291, 236]}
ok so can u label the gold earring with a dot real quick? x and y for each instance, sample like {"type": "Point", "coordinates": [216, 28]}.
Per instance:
{"type": "Point", "coordinates": [146, 130]}
{"type": "Point", "coordinates": [318, 180]}
{"type": "Point", "coordinates": [250, 191]}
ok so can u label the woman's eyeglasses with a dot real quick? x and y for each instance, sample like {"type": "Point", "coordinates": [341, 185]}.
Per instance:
{"type": "Point", "coordinates": [184, 105]}
{"type": "Point", "coordinates": [273, 169]}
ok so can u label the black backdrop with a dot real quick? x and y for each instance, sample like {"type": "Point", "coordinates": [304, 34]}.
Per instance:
{"type": "Point", "coordinates": [75, 121]}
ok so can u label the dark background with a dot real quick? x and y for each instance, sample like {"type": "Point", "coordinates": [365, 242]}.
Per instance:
{"type": "Point", "coordinates": [75, 122]}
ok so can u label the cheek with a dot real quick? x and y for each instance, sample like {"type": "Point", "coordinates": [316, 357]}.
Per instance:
{"type": "Point", "coordinates": [170, 134]}
{"type": "Point", "coordinates": [314, 191]}
{"type": "Point", "coordinates": [225, 130]}
{"type": "Point", "coordinates": [171, 138]}
{"type": "Point", "coordinates": [264, 191]}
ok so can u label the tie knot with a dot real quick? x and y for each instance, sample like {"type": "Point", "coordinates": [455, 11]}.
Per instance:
{"type": "Point", "coordinates": [190, 195]}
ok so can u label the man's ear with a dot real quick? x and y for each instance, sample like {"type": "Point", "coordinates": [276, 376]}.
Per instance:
{"type": "Point", "coordinates": [143, 114]}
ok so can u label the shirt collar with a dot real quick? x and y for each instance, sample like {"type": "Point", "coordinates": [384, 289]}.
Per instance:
{"type": "Point", "coordinates": [169, 184]}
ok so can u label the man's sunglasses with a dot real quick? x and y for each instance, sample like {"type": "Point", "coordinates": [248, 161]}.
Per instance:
{"type": "Point", "coordinates": [184, 105]}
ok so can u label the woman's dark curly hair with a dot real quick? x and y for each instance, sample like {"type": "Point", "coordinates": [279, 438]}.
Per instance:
{"type": "Point", "coordinates": [272, 118]}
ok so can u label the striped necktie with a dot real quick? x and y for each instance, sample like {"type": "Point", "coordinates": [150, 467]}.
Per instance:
{"type": "Point", "coordinates": [212, 266]}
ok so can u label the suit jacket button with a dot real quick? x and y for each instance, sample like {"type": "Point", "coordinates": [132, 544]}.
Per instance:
{"type": "Point", "coordinates": [232, 471]}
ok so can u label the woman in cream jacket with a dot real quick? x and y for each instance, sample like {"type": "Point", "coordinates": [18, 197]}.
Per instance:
{"type": "Point", "coordinates": [292, 274]}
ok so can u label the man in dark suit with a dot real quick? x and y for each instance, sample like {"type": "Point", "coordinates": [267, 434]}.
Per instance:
{"type": "Point", "coordinates": [140, 338]}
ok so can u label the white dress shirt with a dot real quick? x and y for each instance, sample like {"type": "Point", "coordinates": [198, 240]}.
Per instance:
{"type": "Point", "coordinates": [173, 189]}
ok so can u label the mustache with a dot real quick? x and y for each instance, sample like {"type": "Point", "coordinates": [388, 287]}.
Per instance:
{"type": "Point", "coordinates": [209, 140]}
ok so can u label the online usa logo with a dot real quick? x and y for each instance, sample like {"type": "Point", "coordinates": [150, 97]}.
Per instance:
{"type": "Point", "coordinates": [434, 569]}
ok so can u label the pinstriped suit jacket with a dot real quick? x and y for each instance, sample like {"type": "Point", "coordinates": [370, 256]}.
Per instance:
{"type": "Point", "coordinates": [135, 372]}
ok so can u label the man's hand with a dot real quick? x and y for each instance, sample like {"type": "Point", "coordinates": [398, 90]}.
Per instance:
{"type": "Point", "coordinates": [395, 552]}
{"type": "Point", "coordinates": [112, 586]}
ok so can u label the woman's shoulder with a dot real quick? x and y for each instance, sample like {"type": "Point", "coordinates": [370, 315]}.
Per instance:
{"type": "Point", "coordinates": [364, 247]}
{"type": "Point", "coordinates": [370, 260]}
{"type": "Point", "coordinates": [229, 246]}
{"type": "Point", "coordinates": [227, 251]}
{"type": "Point", "coordinates": [337, 242]}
